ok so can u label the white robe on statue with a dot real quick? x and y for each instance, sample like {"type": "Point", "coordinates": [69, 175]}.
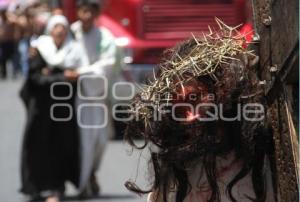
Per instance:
{"type": "Point", "coordinates": [98, 44]}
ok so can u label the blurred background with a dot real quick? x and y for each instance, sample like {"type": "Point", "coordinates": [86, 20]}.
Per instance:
{"type": "Point", "coordinates": [142, 30]}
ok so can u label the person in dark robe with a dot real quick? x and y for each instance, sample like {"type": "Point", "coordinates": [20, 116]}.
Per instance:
{"type": "Point", "coordinates": [50, 146]}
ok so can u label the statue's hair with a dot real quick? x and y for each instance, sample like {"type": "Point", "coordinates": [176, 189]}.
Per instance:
{"type": "Point", "coordinates": [219, 61]}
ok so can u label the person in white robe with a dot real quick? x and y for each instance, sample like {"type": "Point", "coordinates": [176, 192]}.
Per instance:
{"type": "Point", "coordinates": [95, 123]}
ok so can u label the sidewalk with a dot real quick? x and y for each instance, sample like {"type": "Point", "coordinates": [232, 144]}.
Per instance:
{"type": "Point", "coordinates": [118, 166]}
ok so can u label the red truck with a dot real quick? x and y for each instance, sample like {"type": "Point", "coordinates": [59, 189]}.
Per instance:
{"type": "Point", "coordinates": [144, 28]}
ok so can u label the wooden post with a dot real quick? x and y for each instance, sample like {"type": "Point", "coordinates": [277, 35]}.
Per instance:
{"type": "Point", "coordinates": [276, 24]}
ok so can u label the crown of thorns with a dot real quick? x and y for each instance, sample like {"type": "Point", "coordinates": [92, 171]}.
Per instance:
{"type": "Point", "coordinates": [213, 49]}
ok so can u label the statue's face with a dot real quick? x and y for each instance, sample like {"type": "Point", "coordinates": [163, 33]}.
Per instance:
{"type": "Point", "coordinates": [189, 102]}
{"type": "Point", "coordinates": [196, 95]}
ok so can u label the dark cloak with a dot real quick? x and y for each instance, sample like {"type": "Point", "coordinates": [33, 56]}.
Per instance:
{"type": "Point", "coordinates": [50, 152]}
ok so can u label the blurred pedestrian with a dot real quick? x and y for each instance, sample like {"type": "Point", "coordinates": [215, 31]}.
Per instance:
{"type": "Point", "coordinates": [23, 45]}
{"type": "Point", "coordinates": [39, 23]}
{"type": "Point", "coordinates": [56, 7]}
{"type": "Point", "coordinates": [8, 43]}
{"type": "Point", "coordinates": [50, 147]}
{"type": "Point", "coordinates": [98, 45]}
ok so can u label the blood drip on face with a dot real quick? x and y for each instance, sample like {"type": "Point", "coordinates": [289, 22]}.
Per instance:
{"type": "Point", "coordinates": [191, 94]}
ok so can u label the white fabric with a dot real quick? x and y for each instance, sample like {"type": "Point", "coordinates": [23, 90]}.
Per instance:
{"type": "Point", "coordinates": [227, 168]}
{"type": "Point", "coordinates": [98, 45]}
{"type": "Point", "coordinates": [69, 56]}
{"type": "Point", "coordinates": [56, 20]}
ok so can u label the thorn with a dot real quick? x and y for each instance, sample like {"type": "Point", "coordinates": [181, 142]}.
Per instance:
{"type": "Point", "coordinates": [219, 22]}
{"type": "Point", "coordinates": [236, 27]}
{"type": "Point", "coordinates": [168, 82]}
{"type": "Point", "coordinates": [154, 75]}
{"type": "Point", "coordinates": [210, 31]}
{"type": "Point", "coordinates": [205, 39]}
{"type": "Point", "coordinates": [195, 65]}
{"type": "Point", "coordinates": [213, 76]}
{"type": "Point", "coordinates": [195, 39]}
{"type": "Point", "coordinates": [179, 57]}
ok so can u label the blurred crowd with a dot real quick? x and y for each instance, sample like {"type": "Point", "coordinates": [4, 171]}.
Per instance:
{"type": "Point", "coordinates": [21, 22]}
{"type": "Point", "coordinates": [62, 137]}
{"type": "Point", "coordinates": [69, 70]}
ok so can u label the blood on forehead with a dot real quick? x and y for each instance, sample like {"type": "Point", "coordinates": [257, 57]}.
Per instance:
{"type": "Point", "coordinates": [193, 91]}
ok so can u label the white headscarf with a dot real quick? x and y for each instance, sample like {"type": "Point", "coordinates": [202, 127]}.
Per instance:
{"type": "Point", "coordinates": [56, 20]}
{"type": "Point", "coordinates": [68, 56]}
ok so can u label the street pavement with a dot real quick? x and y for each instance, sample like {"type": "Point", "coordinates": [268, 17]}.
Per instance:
{"type": "Point", "coordinates": [119, 163]}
